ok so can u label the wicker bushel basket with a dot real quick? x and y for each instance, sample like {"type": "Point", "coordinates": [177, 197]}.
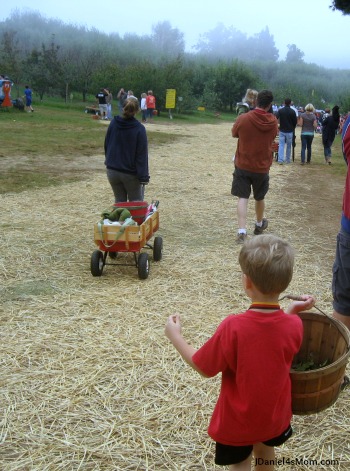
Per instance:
{"type": "Point", "coordinates": [326, 342]}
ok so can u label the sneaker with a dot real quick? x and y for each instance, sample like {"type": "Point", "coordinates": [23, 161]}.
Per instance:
{"type": "Point", "coordinates": [240, 239]}
{"type": "Point", "coordinates": [259, 230]}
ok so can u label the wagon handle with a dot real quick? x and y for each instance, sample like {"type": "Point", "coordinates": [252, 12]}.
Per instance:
{"type": "Point", "coordinates": [299, 298]}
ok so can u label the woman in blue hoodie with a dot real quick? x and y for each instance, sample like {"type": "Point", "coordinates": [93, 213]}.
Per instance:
{"type": "Point", "coordinates": [126, 152]}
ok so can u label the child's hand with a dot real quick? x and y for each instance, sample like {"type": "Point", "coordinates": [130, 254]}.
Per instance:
{"type": "Point", "coordinates": [173, 326]}
{"type": "Point", "coordinates": [303, 303]}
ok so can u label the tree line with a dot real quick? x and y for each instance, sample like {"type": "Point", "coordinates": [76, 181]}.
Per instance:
{"type": "Point", "coordinates": [58, 59]}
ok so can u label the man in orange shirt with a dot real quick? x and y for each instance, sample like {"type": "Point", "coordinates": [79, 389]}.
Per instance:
{"type": "Point", "coordinates": [256, 131]}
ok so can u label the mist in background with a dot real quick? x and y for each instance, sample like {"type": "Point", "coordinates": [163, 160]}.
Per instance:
{"type": "Point", "coordinates": [312, 26]}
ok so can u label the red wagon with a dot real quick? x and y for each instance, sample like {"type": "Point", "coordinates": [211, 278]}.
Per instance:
{"type": "Point", "coordinates": [115, 239]}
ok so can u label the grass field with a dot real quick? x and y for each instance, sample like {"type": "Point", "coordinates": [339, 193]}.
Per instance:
{"type": "Point", "coordinates": [39, 149]}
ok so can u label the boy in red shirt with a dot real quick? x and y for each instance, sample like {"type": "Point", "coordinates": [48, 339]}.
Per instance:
{"type": "Point", "coordinates": [253, 351]}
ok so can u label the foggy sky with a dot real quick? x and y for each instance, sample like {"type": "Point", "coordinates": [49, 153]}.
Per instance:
{"type": "Point", "coordinates": [315, 29]}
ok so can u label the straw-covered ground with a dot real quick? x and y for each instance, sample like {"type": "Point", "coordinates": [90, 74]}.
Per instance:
{"type": "Point", "coordinates": [88, 379]}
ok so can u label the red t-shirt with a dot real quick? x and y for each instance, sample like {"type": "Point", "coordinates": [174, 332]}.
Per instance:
{"type": "Point", "coordinates": [151, 101]}
{"type": "Point", "coordinates": [346, 196]}
{"type": "Point", "coordinates": [254, 352]}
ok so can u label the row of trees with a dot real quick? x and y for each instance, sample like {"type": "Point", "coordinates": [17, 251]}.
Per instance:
{"type": "Point", "coordinates": [58, 59]}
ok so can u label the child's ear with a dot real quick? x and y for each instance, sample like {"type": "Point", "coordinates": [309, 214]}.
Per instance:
{"type": "Point", "coordinates": [247, 282]}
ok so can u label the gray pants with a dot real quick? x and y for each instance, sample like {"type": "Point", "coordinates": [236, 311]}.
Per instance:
{"type": "Point", "coordinates": [125, 187]}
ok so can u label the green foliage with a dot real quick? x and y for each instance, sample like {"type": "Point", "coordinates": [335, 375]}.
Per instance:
{"type": "Point", "coordinates": [229, 43]}
{"type": "Point", "coordinates": [342, 5]}
{"type": "Point", "coordinates": [345, 104]}
{"type": "Point", "coordinates": [230, 83]}
{"type": "Point", "coordinates": [58, 59]}
{"type": "Point", "coordinates": [294, 54]}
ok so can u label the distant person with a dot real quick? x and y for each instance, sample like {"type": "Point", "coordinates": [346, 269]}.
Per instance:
{"type": "Point", "coordinates": [131, 95]}
{"type": "Point", "coordinates": [143, 107]}
{"type": "Point", "coordinates": [256, 131]}
{"type": "Point", "coordinates": [308, 122]}
{"type": "Point", "coordinates": [248, 102]}
{"type": "Point", "coordinates": [101, 97]}
{"type": "Point", "coordinates": [28, 99]}
{"type": "Point", "coordinates": [126, 155]}
{"type": "Point", "coordinates": [294, 109]}
{"type": "Point", "coordinates": [109, 102]}
{"type": "Point", "coordinates": [287, 123]}
{"type": "Point", "coordinates": [253, 352]}
{"type": "Point", "coordinates": [151, 105]}
{"type": "Point", "coordinates": [330, 126]}
{"type": "Point", "coordinates": [121, 97]}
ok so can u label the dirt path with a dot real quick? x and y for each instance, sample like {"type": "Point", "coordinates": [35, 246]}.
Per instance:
{"type": "Point", "coordinates": [89, 382]}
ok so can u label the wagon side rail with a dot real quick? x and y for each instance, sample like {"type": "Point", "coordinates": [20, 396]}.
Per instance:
{"type": "Point", "coordinates": [116, 238]}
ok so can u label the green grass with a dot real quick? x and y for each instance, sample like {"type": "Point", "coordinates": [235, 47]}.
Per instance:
{"type": "Point", "coordinates": [40, 149]}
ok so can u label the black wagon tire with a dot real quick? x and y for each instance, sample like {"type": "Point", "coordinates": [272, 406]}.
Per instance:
{"type": "Point", "coordinates": [97, 263]}
{"type": "Point", "coordinates": [157, 249]}
{"type": "Point", "coordinates": [143, 266]}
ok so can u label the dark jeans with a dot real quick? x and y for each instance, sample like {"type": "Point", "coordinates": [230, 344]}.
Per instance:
{"type": "Point", "coordinates": [306, 141]}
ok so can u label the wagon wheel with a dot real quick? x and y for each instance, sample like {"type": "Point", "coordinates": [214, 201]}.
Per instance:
{"type": "Point", "coordinates": [97, 263]}
{"type": "Point", "coordinates": [143, 266]}
{"type": "Point", "coordinates": [157, 249]}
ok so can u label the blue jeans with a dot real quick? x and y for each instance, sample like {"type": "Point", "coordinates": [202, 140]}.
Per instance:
{"type": "Point", "coordinates": [306, 141]}
{"type": "Point", "coordinates": [327, 152]}
{"type": "Point", "coordinates": [341, 274]}
{"type": "Point", "coordinates": [285, 138]}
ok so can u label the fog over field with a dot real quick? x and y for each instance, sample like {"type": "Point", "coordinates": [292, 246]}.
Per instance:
{"type": "Point", "coordinates": [312, 26]}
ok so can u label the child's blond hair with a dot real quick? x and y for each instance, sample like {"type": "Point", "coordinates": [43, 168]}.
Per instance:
{"type": "Point", "coordinates": [250, 97]}
{"type": "Point", "coordinates": [268, 261]}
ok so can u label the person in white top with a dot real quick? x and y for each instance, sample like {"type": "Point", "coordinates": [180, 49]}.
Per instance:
{"type": "Point", "coordinates": [143, 107]}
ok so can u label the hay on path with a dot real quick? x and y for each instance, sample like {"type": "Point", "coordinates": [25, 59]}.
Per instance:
{"type": "Point", "coordinates": [88, 380]}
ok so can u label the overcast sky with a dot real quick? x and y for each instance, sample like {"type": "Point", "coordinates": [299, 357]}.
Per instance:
{"type": "Point", "coordinates": [310, 24]}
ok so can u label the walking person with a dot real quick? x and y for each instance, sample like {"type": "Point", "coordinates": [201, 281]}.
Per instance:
{"type": "Point", "coordinates": [253, 351]}
{"type": "Point", "coordinates": [256, 131]}
{"type": "Point", "coordinates": [121, 97]}
{"type": "Point", "coordinates": [101, 97]}
{"type": "Point", "coordinates": [143, 107]}
{"type": "Point", "coordinates": [330, 126]}
{"type": "Point", "coordinates": [308, 122]}
{"type": "Point", "coordinates": [126, 155]}
{"type": "Point", "coordinates": [341, 266]}
{"type": "Point", "coordinates": [151, 105]}
{"type": "Point", "coordinates": [28, 99]}
{"type": "Point", "coordinates": [109, 100]}
{"type": "Point", "coordinates": [287, 123]}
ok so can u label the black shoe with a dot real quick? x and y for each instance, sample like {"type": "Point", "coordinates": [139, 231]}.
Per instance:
{"type": "Point", "coordinates": [259, 230]}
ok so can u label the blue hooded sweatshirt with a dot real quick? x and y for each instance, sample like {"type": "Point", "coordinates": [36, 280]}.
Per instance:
{"type": "Point", "coordinates": [126, 147]}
